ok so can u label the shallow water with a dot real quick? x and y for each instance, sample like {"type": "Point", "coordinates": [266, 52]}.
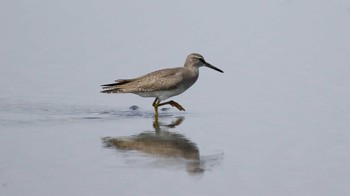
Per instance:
{"type": "Point", "coordinates": [47, 149]}
{"type": "Point", "coordinates": [73, 149]}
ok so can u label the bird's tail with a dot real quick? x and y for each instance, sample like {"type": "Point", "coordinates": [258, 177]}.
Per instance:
{"type": "Point", "coordinates": [115, 87]}
{"type": "Point", "coordinates": [109, 88]}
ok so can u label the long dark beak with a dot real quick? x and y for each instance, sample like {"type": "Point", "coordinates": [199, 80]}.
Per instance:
{"type": "Point", "coordinates": [210, 66]}
{"type": "Point", "coordinates": [213, 67]}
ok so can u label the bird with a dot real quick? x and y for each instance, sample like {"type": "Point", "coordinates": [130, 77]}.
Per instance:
{"type": "Point", "coordinates": [162, 84]}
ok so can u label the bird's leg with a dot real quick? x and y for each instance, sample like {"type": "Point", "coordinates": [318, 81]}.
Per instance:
{"type": "Point", "coordinates": [155, 105]}
{"type": "Point", "coordinates": [174, 104]}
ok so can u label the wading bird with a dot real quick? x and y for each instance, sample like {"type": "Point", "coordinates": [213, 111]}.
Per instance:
{"type": "Point", "coordinates": [162, 84]}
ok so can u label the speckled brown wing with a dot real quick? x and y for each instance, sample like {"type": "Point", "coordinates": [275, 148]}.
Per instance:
{"type": "Point", "coordinates": [165, 79]}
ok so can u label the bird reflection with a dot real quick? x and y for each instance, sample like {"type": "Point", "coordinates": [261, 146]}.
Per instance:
{"type": "Point", "coordinates": [162, 143]}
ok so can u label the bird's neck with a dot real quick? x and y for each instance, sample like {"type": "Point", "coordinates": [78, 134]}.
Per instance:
{"type": "Point", "coordinates": [192, 72]}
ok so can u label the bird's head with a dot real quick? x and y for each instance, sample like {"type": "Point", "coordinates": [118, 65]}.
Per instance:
{"type": "Point", "coordinates": [197, 60]}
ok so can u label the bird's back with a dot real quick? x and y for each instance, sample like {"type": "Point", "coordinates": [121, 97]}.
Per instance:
{"type": "Point", "coordinates": [164, 79]}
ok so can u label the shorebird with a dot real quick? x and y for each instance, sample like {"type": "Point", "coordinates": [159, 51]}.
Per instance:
{"type": "Point", "coordinates": [164, 83]}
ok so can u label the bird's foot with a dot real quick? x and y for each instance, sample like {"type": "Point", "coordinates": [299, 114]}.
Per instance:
{"type": "Point", "coordinates": [173, 104]}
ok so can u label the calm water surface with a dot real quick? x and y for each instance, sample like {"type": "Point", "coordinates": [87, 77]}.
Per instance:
{"type": "Point", "coordinates": [73, 150]}
{"type": "Point", "coordinates": [66, 149]}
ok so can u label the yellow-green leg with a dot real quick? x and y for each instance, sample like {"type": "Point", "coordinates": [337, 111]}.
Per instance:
{"type": "Point", "coordinates": [174, 104]}
{"type": "Point", "coordinates": [155, 105]}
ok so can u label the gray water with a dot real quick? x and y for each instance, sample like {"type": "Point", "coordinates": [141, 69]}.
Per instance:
{"type": "Point", "coordinates": [275, 123]}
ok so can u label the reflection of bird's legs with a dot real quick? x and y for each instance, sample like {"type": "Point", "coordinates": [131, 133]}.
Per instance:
{"type": "Point", "coordinates": [174, 104]}
{"type": "Point", "coordinates": [156, 125]}
{"type": "Point", "coordinates": [177, 122]}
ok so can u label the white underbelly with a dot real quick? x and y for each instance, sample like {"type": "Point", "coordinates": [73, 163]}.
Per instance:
{"type": "Point", "coordinates": [162, 95]}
